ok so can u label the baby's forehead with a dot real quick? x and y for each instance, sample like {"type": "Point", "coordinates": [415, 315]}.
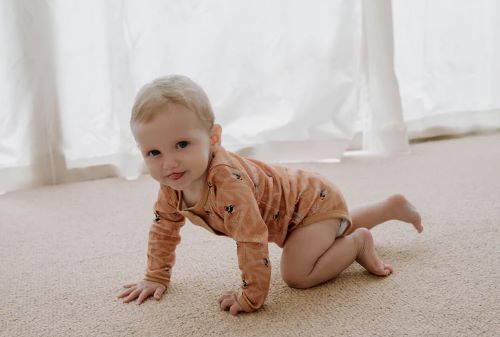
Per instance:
{"type": "Point", "coordinates": [190, 132]}
{"type": "Point", "coordinates": [190, 110]}
{"type": "Point", "coordinates": [179, 114]}
{"type": "Point", "coordinates": [164, 129]}
{"type": "Point", "coordinates": [192, 126]}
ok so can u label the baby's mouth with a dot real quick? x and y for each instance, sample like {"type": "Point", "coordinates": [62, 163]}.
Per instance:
{"type": "Point", "coordinates": [176, 175]}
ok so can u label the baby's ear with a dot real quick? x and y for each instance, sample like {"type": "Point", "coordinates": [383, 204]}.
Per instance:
{"type": "Point", "coordinates": [215, 134]}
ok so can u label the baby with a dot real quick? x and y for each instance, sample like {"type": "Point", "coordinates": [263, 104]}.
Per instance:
{"type": "Point", "coordinates": [250, 201]}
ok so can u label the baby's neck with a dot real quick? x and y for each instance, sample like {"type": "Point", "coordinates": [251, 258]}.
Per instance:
{"type": "Point", "coordinates": [190, 197]}
{"type": "Point", "coordinates": [194, 192]}
{"type": "Point", "coordinates": [189, 200]}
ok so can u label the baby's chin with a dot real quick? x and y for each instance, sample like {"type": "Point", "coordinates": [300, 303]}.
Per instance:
{"type": "Point", "coordinates": [166, 182]}
{"type": "Point", "coordinates": [175, 185]}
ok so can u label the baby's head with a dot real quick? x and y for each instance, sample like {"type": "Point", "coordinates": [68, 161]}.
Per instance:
{"type": "Point", "coordinates": [173, 124]}
{"type": "Point", "coordinates": [178, 89]}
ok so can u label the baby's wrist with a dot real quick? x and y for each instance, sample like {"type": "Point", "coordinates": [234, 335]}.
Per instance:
{"type": "Point", "coordinates": [242, 302]}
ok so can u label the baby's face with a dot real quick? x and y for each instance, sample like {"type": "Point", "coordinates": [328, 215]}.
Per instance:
{"type": "Point", "coordinates": [176, 147]}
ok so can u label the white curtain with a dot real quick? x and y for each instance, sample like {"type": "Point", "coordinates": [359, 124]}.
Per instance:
{"type": "Point", "coordinates": [289, 80]}
{"type": "Point", "coordinates": [448, 65]}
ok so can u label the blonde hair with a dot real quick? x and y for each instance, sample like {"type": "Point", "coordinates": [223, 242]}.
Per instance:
{"type": "Point", "coordinates": [171, 89]}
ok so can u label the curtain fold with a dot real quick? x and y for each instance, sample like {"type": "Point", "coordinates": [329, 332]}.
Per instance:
{"type": "Point", "coordinates": [384, 132]}
{"type": "Point", "coordinates": [288, 80]}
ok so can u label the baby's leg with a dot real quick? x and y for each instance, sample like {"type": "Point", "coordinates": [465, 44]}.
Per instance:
{"type": "Point", "coordinates": [312, 255]}
{"type": "Point", "coordinates": [396, 207]}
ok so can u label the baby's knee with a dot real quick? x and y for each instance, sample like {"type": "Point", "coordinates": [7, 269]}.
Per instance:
{"type": "Point", "coordinates": [295, 281]}
{"type": "Point", "coordinates": [298, 284]}
{"type": "Point", "coordinates": [359, 234]}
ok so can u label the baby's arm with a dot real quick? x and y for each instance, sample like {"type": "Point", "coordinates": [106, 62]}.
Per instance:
{"type": "Point", "coordinates": [163, 239]}
{"type": "Point", "coordinates": [244, 223]}
{"type": "Point", "coordinates": [256, 276]}
{"type": "Point", "coordinates": [255, 273]}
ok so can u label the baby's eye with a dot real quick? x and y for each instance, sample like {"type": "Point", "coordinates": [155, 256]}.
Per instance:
{"type": "Point", "coordinates": [153, 153]}
{"type": "Point", "coordinates": [182, 145]}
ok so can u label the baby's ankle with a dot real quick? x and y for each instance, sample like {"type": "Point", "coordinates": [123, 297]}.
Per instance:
{"type": "Point", "coordinates": [359, 237]}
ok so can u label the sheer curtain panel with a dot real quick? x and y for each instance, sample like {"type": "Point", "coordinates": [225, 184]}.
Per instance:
{"type": "Point", "coordinates": [288, 80]}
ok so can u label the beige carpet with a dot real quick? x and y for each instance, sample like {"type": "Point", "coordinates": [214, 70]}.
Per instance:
{"type": "Point", "coordinates": [65, 251]}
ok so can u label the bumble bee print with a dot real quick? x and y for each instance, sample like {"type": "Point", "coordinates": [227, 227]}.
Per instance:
{"type": "Point", "coordinates": [229, 209]}
{"type": "Point", "coordinates": [244, 284]}
{"type": "Point", "coordinates": [322, 194]}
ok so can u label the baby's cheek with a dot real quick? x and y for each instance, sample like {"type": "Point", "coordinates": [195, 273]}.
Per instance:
{"type": "Point", "coordinates": [154, 172]}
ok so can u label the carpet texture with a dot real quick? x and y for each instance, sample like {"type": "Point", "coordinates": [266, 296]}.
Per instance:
{"type": "Point", "coordinates": [66, 250]}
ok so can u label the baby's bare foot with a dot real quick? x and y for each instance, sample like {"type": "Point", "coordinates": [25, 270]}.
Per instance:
{"type": "Point", "coordinates": [367, 256]}
{"type": "Point", "coordinates": [403, 210]}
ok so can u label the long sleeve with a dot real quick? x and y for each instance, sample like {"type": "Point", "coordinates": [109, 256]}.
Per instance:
{"type": "Point", "coordinates": [255, 273]}
{"type": "Point", "coordinates": [244, 223]}
{"type": "Point", "coordinates": [164, 236]}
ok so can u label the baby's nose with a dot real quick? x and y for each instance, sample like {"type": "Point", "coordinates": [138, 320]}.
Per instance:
{"type": "Point", "coordinates": [170, 163]}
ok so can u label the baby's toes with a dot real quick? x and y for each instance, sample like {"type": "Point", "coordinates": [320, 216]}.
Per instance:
{"type": "Point", "coordinates": [388, 269]}
{"type": "Point", "coordinates": [383, 269]}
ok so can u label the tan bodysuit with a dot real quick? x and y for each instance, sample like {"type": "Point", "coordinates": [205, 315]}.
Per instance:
{"type": "Point", "coordinates": [251, 202]}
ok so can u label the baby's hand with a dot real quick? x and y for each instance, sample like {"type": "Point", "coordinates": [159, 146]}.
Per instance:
{"type": "Point", "coordinates": [228, 302]}
{"type": "Point", "coordinates": [142, 289]}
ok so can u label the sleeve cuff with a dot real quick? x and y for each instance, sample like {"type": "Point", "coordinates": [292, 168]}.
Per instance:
{"type": "Point", "coordinates": [153, 279]}
{"type": "Point", "coordinates": [243, 303]}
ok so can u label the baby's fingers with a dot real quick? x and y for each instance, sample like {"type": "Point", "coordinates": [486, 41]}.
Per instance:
{"type": "Point", "coordinates": [226, 294]}
{"type": "Point", "coordinates": [125, 292]}
{"type": "Point", "coordinates": [235, 308]}
{"type": "Point", "coordinates": [132, 296]}
{"type": "Point", "coordinates": [226, 303]}
{"type": "Point", "coordinates": [145, 293]}
{"type": "Point", "coordinates": [159, 291]}
{"type": "Point", "coordinates": [222, 298]}
{"type": "Point", "coordinates": [130, 284]}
